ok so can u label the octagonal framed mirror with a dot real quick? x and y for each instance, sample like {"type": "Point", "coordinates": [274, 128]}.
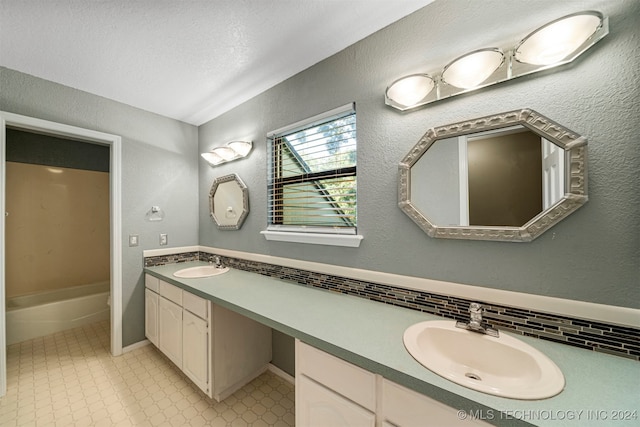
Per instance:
{"type": "Point", "coordinates": [228, 202]}
{"type": "Point", "coordinates": [506, 177]}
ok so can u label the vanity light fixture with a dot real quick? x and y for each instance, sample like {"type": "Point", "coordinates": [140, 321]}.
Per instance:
{"type": "Point", "coordinates": [555, 43]}
{"type": "Point", "coordinates": [471, 69]}
{"type": "Point", "coordinates": [410, 90]}
{"type": "Point", "coordinates": [231, 151]}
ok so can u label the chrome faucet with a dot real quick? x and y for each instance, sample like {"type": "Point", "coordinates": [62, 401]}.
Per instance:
{"type": "Point", "coordinates": [218, 261]}
{"type": "Point", "coordinates": [476, 323]}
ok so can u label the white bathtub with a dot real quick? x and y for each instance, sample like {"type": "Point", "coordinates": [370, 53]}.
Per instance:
{"type": "Point", "coordinates": [32, 316]}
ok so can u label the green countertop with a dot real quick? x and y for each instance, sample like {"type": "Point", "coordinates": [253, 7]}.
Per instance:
{"type": "Point", "coordinates": [600, 389]}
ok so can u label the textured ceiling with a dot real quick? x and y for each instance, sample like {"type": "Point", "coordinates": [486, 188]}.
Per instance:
{"type": "Point", "coordinates": [191, 60]}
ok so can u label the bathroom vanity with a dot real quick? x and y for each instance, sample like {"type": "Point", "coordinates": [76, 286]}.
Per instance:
{"type": "Point", "coordinates": [216, 348]}
{"type": "Point", "coordinates": [351, 363]}
{"type": "Point", "coordinates": [333, 392]}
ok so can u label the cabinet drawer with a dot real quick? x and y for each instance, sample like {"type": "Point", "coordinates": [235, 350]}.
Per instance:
{"type": "Point", "coordinates": [170, 292]}
{"type": "Point", "coordinates": [321, 407]}
{"type": "Point", "coordinates": [400, 406]}
{"type": "Point", "coordinates": [152, 283]}
{"type": "Point", "coordinates": [196, 305]}
{"type": "Point", "coordinates": [349, 380]}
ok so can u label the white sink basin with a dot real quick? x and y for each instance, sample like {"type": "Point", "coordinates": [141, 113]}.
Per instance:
{"type": "Point", "coordinates": [503, 366]}
{"type": "Point", "coordinates": [200, 271]}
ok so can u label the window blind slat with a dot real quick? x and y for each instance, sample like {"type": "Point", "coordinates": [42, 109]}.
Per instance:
{"type": "Point", "coordinates": [344, 133]}
{"type": "Point", "coordinates": [348, 109]}
{"type": "Point", "coordinates": [312, 180]}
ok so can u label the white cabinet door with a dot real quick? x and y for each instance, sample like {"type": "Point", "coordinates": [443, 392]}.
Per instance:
{"type": "Point", "coordinates": [195, 355]}
{"type": "Point", "coordinates": [170, 330]}
{"type": "Point", "coordinates": [346, 379]}
{"type": "Point", "coordinates": [402, 407]}
{"type": "Point", "coordinates": [151, 316]}
{"type": "Point", "coordinates": [318, 406]}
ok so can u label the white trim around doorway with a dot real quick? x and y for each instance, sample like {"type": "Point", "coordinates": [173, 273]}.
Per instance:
{"type": "Point", "coordinates": [115, 185]}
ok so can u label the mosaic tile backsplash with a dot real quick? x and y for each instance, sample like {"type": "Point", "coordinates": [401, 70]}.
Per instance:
{"type": "Point", "coordinates": [597, 336]}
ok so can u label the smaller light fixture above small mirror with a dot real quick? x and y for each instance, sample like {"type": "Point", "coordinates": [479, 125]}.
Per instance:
{"type": "Point", "coordinates": [551, 45]}
{"type": "Point", "coordinates": [228, 202]}
{"type": "Point", "coordinates": [230, 151]}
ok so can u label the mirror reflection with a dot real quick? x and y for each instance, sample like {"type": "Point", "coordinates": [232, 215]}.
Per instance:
{"type": "Point", "coordinates": [229, 202]}
{"type": "Point", "coordinates": [503, 177]}
{"type": "Point", "coordinates": [506, 177]}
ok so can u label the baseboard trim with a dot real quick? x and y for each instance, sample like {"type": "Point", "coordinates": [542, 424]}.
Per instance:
{"type": "Point", "coordinates": [136, 346]}
{"type": "Point", "coordinates": [220, 396]}
{"type": "Point", "coordinates": [282, 374]}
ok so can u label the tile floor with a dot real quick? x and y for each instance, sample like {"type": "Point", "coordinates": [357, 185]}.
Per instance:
{"type": "Point", "coordinates": [70, 379]}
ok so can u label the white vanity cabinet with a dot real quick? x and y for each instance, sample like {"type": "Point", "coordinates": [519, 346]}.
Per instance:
{"type": "Point", "coordinates": [196, 337]}
{"type": "Point", "coordinates": [331, 391]}
{"type": "Point", "coordinates": [324, 407]}
{"type": "Point", "coordinates": [402, 407]}
{"type": "Point", "coordinates": [218, 349]}
{"type": "Point", "coordinates": [170, 330]}
{"type": "Point", "coordinates": [170, 322]}
{"type": "Point", "coordinates": [151, 307]}
{"type": "Point", "coordinates": [195, 356]}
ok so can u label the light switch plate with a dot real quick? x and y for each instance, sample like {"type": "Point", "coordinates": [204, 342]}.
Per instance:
{"type": "Point", "coordinates": [134, 240]}
{"type": "Point", "coordinates": [163, 239]}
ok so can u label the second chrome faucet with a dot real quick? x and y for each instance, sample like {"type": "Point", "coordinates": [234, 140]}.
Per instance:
{"type": "Point", "coordinates": [476, 323]}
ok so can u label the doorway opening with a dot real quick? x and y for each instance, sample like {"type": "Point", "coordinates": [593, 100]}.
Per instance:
{"type": "Point", "coordinates": [57, 234]}
{"type": "Point", "coordinates": [10, 122]}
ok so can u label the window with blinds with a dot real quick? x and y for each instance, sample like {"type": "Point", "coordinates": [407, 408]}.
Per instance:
{"type": "Point", "coordinates": [312, 175]}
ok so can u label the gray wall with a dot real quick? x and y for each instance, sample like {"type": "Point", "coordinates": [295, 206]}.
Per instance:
{"type": "Point", "coordinates": [591, 256]}
{"type": "Point", "coordinates": [159, 167]}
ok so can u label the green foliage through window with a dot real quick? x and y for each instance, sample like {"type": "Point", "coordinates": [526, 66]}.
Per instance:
{"type": "Point", "coordinates": [313, 175]}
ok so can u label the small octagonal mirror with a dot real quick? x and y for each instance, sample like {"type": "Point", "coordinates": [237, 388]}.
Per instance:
{"type": "Point", "coordinates": [228, 202]}
{"type": "Point", "coordinates": [506, 177]}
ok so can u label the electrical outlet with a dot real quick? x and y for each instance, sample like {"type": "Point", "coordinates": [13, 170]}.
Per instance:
{"type": "Point", "coordinates": [163, 239]}
{"type": "Point", "coordinates": [134, 240]}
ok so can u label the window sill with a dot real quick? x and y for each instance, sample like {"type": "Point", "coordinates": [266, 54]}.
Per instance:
{"type": "Point", "coordinates": [352, 241]}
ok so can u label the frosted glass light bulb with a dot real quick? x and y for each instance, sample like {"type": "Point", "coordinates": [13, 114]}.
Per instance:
{"type": "Point", "coordinates": [556, 40]}
{"type": "Point", "coordinates": [410, 90]}
{"type": "Point", "coordinates": [212, 158]}
{"type": "Point", "coordinates": [470, 70]}
{"type": "Point", "coordinates": [225, 152]}
{"type": "Point", "coordinates": [242, 148]}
